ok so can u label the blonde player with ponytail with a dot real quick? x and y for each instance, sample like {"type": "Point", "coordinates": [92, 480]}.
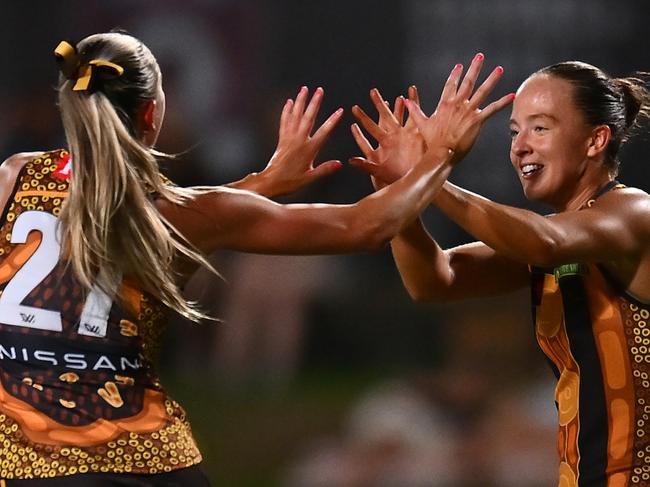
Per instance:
{"type": "Point", "coordinates": [95, 242]}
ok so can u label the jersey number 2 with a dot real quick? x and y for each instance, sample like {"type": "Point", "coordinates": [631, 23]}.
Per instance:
{"type": "Point", "coordinates": [94, 316]}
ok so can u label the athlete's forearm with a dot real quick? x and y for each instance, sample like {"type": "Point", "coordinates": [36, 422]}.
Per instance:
{"type": "Point", "coordinates": [398, 205]}
{"type": "Point", "coordinates": [519, 234]}
{"type": "Point", "coordinates": [422, 264]}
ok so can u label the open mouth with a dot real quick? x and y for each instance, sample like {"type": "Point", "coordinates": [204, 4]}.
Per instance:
{"type": "Point", "coordinates": [528, 170]}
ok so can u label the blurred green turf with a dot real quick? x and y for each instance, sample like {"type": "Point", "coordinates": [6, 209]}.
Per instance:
{"type": "Point", "coordinates": [249, 439]}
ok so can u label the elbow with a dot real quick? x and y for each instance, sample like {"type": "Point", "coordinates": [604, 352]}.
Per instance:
{"type": "Point", "coordinates": [373, 236]}
{"type": "Point", "coordinates": [421, 295]}
{"type": "Point", "coordinates": [426, 294]}
{"type": "Point", "coordinates": [376, 241]}
{"type": "Point", "coordinates": [545, 252]}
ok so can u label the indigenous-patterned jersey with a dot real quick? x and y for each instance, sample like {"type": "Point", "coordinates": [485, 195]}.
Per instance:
{"type": "Point", "coordinates": [77, 388]}
{"type": "Point", "coordinates": [597, 338]}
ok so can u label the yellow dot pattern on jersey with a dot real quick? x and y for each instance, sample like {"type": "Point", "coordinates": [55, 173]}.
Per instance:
{"type": "Point", "coordinates": [637, 330]}
{"type": "Point", "coordinates": [169, 448]}
{"type": "Point", "coordinates": [163, 451]}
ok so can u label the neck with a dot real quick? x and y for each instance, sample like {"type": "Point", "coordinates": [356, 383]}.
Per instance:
{"type": "Point", "coordinates": [584, 191]}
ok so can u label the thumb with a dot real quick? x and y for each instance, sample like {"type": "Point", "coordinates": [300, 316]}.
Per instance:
{"type": "Point", "coordinates": [366, 165]}
{"type": "Point", "coordinates": [324, 169]}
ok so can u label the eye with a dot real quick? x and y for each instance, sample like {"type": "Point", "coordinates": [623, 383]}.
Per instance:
{"type": "Point", "coordinates": [513, 133]}
{"type": "Point", "coordinates": [540, 128]}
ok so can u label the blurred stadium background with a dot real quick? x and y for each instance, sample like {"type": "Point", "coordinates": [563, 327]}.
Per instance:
{"type": "Point", "coordinates": [323, 373]}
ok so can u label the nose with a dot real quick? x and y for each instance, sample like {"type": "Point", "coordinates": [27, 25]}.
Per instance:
{"type": "Point", "coordinates": [519, 145]}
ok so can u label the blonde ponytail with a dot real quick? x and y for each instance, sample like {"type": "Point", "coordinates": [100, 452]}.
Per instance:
{"type": "Point", "coordinates": [109, 223]}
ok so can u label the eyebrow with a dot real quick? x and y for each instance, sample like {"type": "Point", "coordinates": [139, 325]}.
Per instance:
{"type": "Point", "coordinates": [535, 116]}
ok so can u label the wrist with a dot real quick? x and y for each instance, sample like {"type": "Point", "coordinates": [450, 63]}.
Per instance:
{"type": "Point", "coordinates": [441, 154]}
{"type": "Point", "coordinates": [255, 182]}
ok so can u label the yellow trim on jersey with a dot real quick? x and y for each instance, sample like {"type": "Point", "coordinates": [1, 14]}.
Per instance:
{"type": "Point", "coordinates": [36, 192]}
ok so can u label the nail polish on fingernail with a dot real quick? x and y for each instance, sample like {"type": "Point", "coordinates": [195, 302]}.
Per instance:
{"type": "Point", "coordinates": [458, 66]}
{"type": "Point", "coordinates": [499, 69]}
{"type": "Point", "coordinates": [479, 56]}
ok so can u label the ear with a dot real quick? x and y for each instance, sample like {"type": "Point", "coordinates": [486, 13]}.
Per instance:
{"type": "Point", "coordinates": [598, 141]}
{"type": "Point", "coordinates": [148, 119]}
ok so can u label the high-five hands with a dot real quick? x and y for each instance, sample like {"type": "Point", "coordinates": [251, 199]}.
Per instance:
{"type": "Point", "coordinates": [400, 144]}
{"type": "Point", "coordinates": [453, 126]}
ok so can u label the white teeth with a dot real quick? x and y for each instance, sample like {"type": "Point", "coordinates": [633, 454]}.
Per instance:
{"type": "Point", "coordinates": [528, 169]}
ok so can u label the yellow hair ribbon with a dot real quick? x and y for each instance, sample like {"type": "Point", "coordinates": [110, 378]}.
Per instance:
{"type": "Point", "coordinates": [85, 73]}
{"type": "Point", "coordinates": [65, 50]}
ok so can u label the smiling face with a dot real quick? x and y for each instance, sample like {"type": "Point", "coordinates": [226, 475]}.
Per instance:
{"type": "Point", "coordinates": [550, 147]}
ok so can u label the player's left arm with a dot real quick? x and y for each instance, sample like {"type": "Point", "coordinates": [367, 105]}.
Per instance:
{"type": "Point", "coordinates": [616, 226]}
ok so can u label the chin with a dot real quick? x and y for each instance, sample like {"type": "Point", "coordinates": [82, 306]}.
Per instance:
{"type": "Point", "coordinates": [536, 194]}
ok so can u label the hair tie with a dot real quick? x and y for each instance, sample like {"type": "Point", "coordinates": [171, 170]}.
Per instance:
{"type": "Point", "coordinates": [67, 59]}
{"type": "Point", "coordinates": [69, 64]}
{"type": "Point", "coordinates": [86, 72]}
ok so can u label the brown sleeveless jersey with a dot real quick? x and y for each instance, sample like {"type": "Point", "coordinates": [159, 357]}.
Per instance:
{"type": "Point", "coordinates": [597, 339]}
{"type": "Point", "coordinates": [77, 388]}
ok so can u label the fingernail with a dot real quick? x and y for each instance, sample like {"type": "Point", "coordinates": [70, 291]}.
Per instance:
{"type": "Point", "coordinates": [513, 95]}
{"type": "Point", "coordinates": [407, 102]}
{"type": "Point", "coordinates": [499, 69]}
{"type": "Point", "coordinates": [479, 56]}
{"type": "Point", "coordinates": [303, 89]}
{"type": "Point", "coordinates": [338, 112]}
{"type": "Point", "coordinates": [319, 90]}
{"type": "Point", "coordinates": [458, 66]}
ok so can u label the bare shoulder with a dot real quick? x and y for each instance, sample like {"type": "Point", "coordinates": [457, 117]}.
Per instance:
{"type": "Point", "coordinates": [625, 199]}
{"type": "Point", "coordinates": [10, 168]}
{"type": "Point", "coordinates": [17, 161]}
{"type": "Point", "coordinates": [630, 205]}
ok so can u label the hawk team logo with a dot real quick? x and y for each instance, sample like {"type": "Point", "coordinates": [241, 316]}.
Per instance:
{"type": "Point", "coordinates": [64, 167]}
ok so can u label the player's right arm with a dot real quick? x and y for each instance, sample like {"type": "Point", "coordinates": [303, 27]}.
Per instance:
{"type": "Point", "coordinates": [474, 270]}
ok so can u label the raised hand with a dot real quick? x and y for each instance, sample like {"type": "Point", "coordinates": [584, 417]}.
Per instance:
{"type": "Point", "coordinates": [457, 121]}
{"type": "Point", "coordinates": [292, 165]}
{"type": "Point", "coordinates": [400, 144]}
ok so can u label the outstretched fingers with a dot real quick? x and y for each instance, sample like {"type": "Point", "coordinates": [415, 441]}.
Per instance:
{"type": "Point", "coordinates": [385, 115]}
{"type": "Point", "coordinates": [309, 118]}
{"type": "Point", "coordinates": [486, 87]}
{"type": "Point", "coordinates": [413, 98]}
{"type": "Point", "coordinates": [368, 123]}
{"type": "Point", "coordinates": [451, 85]}
{"type": "Point", "coordinates": [361, 140]}
{"type": "Point", "coordinates": [398, 110]}
{"type": "Point", "coordinates": [416, 114]}
{"type": "Point", "coordinates": [496, 106]}
{"type": "Point", "coordinates": [299, 104]}
{"type": "Point", "coordinates": [286, 115]}
{"type": "Point", "coordinates": [467, 85]}
{"type": "Point", "coordinates": [324, 131]}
